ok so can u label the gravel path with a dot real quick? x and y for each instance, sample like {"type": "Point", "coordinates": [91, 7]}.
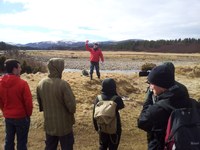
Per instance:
{"type": "Point", "coordinates": [121, 64]}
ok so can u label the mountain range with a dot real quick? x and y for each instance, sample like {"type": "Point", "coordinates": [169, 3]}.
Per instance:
{"type": "Point", "coordinates": [188, 45]}
{"type": "Point", "coordinates": [61, 44]}
{"type": "Point", "coordinates": [70, 44]}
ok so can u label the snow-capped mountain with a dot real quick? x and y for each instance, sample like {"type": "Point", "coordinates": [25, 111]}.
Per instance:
{"type": "Point", "coordinates": [53, 44]}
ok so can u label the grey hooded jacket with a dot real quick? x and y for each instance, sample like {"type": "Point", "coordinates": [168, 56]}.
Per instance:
{"type": "Point", "coordinates": [56, 100]}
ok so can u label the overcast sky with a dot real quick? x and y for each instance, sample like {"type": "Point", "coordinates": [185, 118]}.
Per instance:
{"type": "Point", "coordinates": [24, 21]}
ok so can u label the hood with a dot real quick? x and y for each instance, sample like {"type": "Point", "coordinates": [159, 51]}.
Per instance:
{"type": "Point", "coordinates": [173, 98]}
{"type": "Point", "coordinates": [109, 87]}
{"type": "Point", "coordinates": [55, 67]}
{"type": "Point", "coordinates": [9, 80]}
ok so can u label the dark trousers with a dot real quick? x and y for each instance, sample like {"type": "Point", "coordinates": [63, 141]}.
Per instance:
{"type": "Point", "coordinates": [109, 141]}
{"type": "Point", "coordinates": [66, 142]}
{"type": "Point", "coordinates": [96, 66]}
{"type": "Point", "coordinates": [20, 127]}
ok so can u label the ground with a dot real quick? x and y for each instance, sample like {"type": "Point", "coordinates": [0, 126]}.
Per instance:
{"type": "Point", "coordinates": [129, 85]}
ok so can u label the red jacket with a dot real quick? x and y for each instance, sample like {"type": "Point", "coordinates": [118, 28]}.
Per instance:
{"type": "Point", "coordinates": [15, 97]}
{"type": "Point", "coordinates": [95, 54]}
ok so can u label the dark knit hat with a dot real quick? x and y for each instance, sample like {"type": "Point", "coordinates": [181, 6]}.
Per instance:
{"type": "Point", "coordinates": [161, 76]}
{"type": "Point", "coordinates": [170, 65]}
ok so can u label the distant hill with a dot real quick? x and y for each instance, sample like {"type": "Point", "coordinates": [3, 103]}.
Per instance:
{"type": "Point", "coordinates": [5, 46]}
{"type": "Point", "coordinates": [188, 45]}
{"type": "Point", "coordinates": [61, 45]}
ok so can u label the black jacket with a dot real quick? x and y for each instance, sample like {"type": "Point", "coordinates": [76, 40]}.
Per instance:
{"type": "Point", "coordinates": [108, 91]}
{"type": "Point", "coordinates": [153, 118]}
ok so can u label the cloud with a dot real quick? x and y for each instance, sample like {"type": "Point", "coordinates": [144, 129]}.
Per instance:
{"type": "Point", "coordinates": [101, 20]}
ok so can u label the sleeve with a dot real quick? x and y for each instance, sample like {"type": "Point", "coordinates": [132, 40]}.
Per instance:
{"type": "Point", "coordinates": [88, 48]}
{"type": "Point", "coordinates": [150, 116]}
{"type": "Point", "coordinates": [1, 105]}
{"type": "Point", "coordinates": [101, 56]}
{"type": "Point", "coordinates": [120, 103]}
{"type": "Point", "coordinates": [69, 98]}
{"type": "Point", "coordinates": [28, 102]}
{"type": "Point", "coordinates": [39, 100]}
{"type": "Point", "coordinates": [148, 98]}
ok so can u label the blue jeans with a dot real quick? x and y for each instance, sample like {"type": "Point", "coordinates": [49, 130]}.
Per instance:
{"type": "Point", "coordinates": [96, 66]}
{"type": "Point", "coordinates": [66, 142]}
{"type": "Point", "coordinates": [20, 127]}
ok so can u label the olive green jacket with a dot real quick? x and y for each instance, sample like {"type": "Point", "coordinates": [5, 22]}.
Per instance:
{"type": "Point", "coordinates": [56, 100]}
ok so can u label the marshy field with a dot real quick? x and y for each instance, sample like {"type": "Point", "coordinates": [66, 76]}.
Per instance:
{"type": "Point", "coordinates": [121, 66]}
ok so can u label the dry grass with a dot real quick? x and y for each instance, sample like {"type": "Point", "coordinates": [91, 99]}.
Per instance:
{"type": "Point", "coordinates": [128, 85]}
{"type": "Point", "coordinates": [112, 54]}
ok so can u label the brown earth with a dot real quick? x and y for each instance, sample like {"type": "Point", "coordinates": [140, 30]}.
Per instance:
{"type": "Point", "coordinates": [130, 86]}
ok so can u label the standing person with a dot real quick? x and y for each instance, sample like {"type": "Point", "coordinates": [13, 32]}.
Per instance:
{"type": "Point", "coordinates": [57, 101]}
{"type": "Point", "coordinates": [151, 99]}
{"type": "Point", "coordinates": [164, 96]}
{"type": "Point", "coordinates": [149, 94]}
{"type": "Point", "coordinates": [16, 105]}
{"type": "Point", "coordinates": [109, 141]}
{"type": "Point", "coordinates": [95, 56]}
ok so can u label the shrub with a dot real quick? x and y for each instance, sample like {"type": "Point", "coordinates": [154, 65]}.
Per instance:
{"type": "Point", "coordinates": [32, 66]}
{"type": "Point", "coordinates": [147, 66]}
{"type": "Point", "coordinates": [196, 71]}
{"type": "Point", "coordinates": [25, 68]}
{"type": "Point", "coordinates": [28, 64]}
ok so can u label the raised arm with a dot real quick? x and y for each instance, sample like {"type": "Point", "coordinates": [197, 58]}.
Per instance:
{"type": "Point", "coordinates": [87, 46]}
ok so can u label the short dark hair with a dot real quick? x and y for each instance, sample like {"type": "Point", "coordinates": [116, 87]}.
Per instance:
{"type": "Point", "coordinates": [10, 64]}
{"type": "Point", "coordinates": [97, 44]}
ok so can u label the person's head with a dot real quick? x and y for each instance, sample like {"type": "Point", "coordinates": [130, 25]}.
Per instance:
{"type": "Point", "coordinates": [160, 79]}
{"type": "Point", "coordinates": [109, 86]}
{"type": "Point", "coordinates": [96, 46]}
{"type": "Point", "coordinates": [171, 66]}
{"type": "Point", "coordinates": [12, 66]}
{"type": "Point", "coordinates": [55, 67]}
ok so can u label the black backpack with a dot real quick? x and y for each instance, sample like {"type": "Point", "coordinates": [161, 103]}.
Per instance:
{"type": "Point", "coordinates": [183, 129]}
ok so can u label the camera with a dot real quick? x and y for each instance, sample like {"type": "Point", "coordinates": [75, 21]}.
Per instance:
{"type": "Point", "coordinates": [144, 73]}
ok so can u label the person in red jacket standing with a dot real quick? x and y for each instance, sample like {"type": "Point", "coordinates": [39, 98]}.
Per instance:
{"type": "Point", "coordinates": [95, 55]}
{"type": "Point", "coordinates": [16, 105]}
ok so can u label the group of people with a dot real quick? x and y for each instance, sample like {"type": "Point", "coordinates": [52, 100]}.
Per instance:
{"type": "Point", "coordinates": [57, 101]}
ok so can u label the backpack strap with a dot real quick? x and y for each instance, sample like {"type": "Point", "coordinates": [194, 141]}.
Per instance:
{"type": "Point", "coordinates": [99, 98]}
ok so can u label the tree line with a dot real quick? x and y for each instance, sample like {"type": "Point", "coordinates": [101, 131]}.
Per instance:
{"type": "Point", "coordinates": [157, 46]}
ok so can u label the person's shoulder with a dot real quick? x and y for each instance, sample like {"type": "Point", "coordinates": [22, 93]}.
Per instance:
{"type": "Point", "coordinates": [117, 98]}
{"type": "Point", "coordinates": [180, 84]}
{"type": "Point", "coordinates": [43, 80]}
{"type": "Point", "coordinates": [165, 104]}
{"type": "Point", "coordinates": [22, 80]}
{"type": "Point", "coordinates": [64, 83]}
